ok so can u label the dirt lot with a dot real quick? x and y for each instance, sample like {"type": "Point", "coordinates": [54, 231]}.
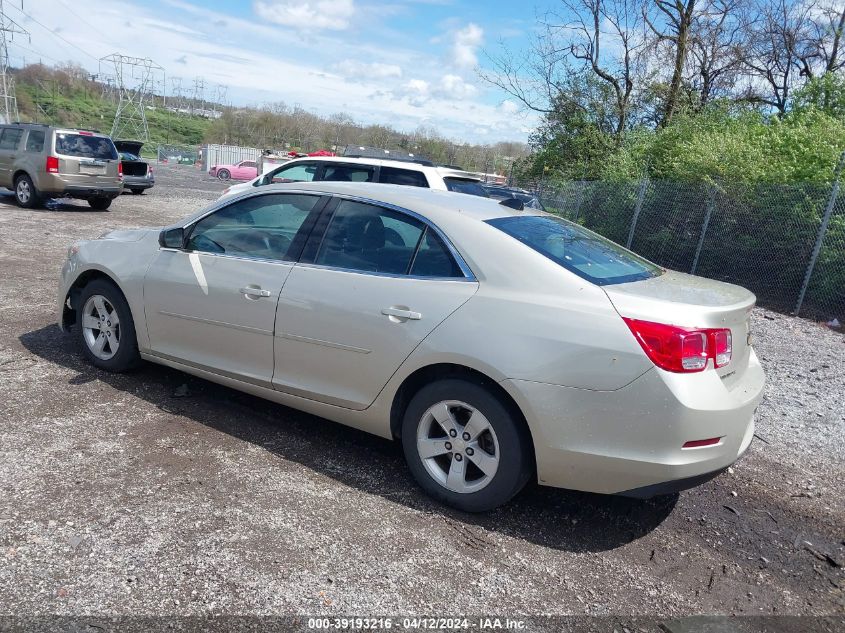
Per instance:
{"type": "Point", "coordinates": [118, 497]}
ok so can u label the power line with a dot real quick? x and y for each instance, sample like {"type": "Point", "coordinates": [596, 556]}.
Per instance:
{"type": "Point", "coordinates": [52, 32]}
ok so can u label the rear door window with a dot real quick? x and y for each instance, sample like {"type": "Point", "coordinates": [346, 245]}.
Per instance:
{"type": "Point", "coordinates": [84, 146]}
{"type": "Point", "coordinates": [35, 141]}
{"type": "Point", "coordinates": [407, 177]}
{"type": "Point", "coordinates": [348, 173]}
{"type": "Point", "coordinates": [10, 138]}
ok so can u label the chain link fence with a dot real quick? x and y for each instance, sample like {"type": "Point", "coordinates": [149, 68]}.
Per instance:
{"type": "Point", "coordinates": [785, 243]}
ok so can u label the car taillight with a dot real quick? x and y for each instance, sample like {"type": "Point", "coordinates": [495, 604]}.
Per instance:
{"type": "Point", "coordinates": [680, 349]}
{"type": "Point", "coordinates": [722, 347]}
{"type": "Point", "coordinates": [120, 169]}
{"type": "Point", "coordinates": [52, 165]}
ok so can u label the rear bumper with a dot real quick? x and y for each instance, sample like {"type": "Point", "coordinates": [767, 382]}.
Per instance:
{"type": "Point", "coordinates": [138, 182]}
{"type": "Point", "coordinates": [630, 441]}
{"type": "Point", "coordinates": [59, 186]}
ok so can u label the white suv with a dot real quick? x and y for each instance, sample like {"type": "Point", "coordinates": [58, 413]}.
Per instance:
{"type": "Point", "coordinates": [356, 169]}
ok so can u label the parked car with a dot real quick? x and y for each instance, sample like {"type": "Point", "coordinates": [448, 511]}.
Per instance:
{"type": "Point", "coordinates": [137, 173]}
{"type": "Point", "coordinates": [528, 199]}
{"type": "Point", "coordinates": [411, 173]}
{"type": "Point", "coordinates": [496, 345]}
{"type": "Point", "coordinates": [244, 170]}
{"type": "Point", "coordinates": [40, 161]}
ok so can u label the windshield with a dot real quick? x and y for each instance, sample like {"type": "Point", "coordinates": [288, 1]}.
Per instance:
{"type": "Point", "coordinates": [462, 185]}
{"type": "Point", "coordinates": [84, 146]}
{"type": "Point", "coordinates": [128, 156]}
{"type": "Point", "coordinates": [578, 250]}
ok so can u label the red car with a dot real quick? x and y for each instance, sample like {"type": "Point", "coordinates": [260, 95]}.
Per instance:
{"type": "Point", "coordinates": [244, 170]}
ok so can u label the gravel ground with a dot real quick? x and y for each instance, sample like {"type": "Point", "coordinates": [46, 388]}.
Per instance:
{"type": "Point", "coordinates": [118, 497]}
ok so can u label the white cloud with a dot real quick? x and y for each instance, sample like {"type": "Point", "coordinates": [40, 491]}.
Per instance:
{"type": "Point", "coordinates": [361, 71]}
{"type": "Point", "coordinates": [308, 72]}
{"type": "Point", "coordinates": [307, 14]}
{"type": "Point", "coordinates": [465, 43]}
{"type": "Point", "coordinates": [454, 87]}
{"type": "Point", "coordinates": [509, 107]}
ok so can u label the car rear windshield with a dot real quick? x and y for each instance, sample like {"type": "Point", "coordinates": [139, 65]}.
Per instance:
{"type": "Point", "coordinates": [463, 185]}
{"type": "Point", "coordinates": [578, 250]}
{"type": "Point", "coordinates": [83, 146]}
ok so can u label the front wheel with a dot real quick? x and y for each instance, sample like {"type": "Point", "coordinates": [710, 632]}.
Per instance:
{"type": "Point", "coordinates": [464, 446]}
{"type": "Point", "coordinates": [100, 204]}
{"type": "Point", "coordinates": [105, 327]}
{"type": "Point", "coordinates": [26, 195]}
{"type": "Point", "coordinates": [224, 174]}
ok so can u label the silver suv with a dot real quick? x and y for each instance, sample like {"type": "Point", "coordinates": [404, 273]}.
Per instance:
{"type": "Point", "coordinates": [40, 161]}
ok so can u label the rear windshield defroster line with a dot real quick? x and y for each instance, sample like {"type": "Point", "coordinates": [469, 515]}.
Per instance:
{"type": "Point", "coordinates": [587, 254]}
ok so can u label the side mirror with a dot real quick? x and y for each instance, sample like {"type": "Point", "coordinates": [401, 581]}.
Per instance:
{"type": "Point", "coordinates": [172, 238]}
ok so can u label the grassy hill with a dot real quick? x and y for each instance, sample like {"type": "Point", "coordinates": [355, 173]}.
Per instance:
{"type": "Point", "coordinates": [66, 98]}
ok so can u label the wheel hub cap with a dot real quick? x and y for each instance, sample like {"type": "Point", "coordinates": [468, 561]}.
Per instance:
{"type": "Point", "coordinates": [101, 327]}
{"type": "Point", "coordinates": [458, 446]}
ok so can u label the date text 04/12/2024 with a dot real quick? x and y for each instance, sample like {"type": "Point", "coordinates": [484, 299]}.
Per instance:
{"type": "Point", "coordinates": [416, 623]}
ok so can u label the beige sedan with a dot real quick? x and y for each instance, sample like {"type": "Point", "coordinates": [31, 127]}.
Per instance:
{"type": "Point", "coordinates": [498, 345]}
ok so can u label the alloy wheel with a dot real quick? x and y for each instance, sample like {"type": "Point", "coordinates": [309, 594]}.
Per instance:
{"type": "Point", "coordinates": [23, 191]}
{"type": "Point", "coordinates": [458, 446]}
{"type": "Point", "coordinates": [101, 327]}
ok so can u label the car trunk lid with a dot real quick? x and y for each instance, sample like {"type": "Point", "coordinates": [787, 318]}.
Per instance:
{"type": "Point", "coordinates": [688, 301]}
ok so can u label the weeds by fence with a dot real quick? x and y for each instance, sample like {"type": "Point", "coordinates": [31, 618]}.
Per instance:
{"type": "Point", "coordinates": [786, 243]}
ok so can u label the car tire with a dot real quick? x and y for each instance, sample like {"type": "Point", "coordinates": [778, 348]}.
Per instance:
{"type": "Point", "coordinates": [137, 191]}
{"type": "Point", "coordinates": [96, 306]}
{"type": "Point", "coordinates": [26, 195]}
{"type": "Point", "coordinates": [224, 174]}
{"type": "Point", "coordinates": [100, 204]}
{"type": "Point", "coordinates": [499, 443]}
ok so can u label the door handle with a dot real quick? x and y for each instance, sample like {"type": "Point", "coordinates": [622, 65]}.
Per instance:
{"type": "Point", "coordinates": [401, 314]}
{"type": "Point", "coordinates": [255, 292]}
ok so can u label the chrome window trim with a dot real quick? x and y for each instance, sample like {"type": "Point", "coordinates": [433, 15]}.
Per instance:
{"type": "Point", "coordinates": [469, 275]}
{"type": "Point", "coordinates": [263, 260]}
{"type": "Point", "coordinates": [373, 273]}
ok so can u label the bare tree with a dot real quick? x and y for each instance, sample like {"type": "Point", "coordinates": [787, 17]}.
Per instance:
{"type": "Point", "coordinates": [828, 27]}
{"type": "Point", "coordinates": [604, 38]}
{"type": "Point", "coordinates": [716, 49]}
{"type": "Point", "coordinates": [781, 49]}
{"type": "Point", "coordinates": [672, 25]}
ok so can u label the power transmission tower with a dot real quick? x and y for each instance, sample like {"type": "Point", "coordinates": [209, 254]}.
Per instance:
{"type": "Point", "coordinates": [135, 78]}
{"type": "Point", "coordinates": [198, 95]}
{"type": "Point", "coordinates": [176, 93]}
{"type": "Point", "coordinates": [8, 101]}
{"type": "Point", "coordinates": [46, 99]}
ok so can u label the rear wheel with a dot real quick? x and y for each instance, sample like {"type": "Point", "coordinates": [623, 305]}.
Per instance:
{"type": "Point", "coordinates": [26, 195]}
{"type": "Point", "coordinates": [100, 204]}
{"type": "Point", "coordinates": [224, 174]}
{"type": "Point", "coordinates": [464, 446]}
{"type": "Point", "coordinates": [105, 327]}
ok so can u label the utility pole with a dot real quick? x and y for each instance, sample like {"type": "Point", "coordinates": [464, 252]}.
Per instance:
{"type": "Point", "coordinates": [8, 100]}
{"type": "Point", "coordinates": [135, 78]}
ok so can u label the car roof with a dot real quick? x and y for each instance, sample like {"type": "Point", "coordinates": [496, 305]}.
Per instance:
{"type": "Point", "coordinates": [445, 172]}
{"type": "Point", "coordinates": [438, 206]}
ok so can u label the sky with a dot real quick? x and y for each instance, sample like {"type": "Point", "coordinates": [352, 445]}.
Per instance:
{"type": "Point", "coordinates": [404, 63]}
